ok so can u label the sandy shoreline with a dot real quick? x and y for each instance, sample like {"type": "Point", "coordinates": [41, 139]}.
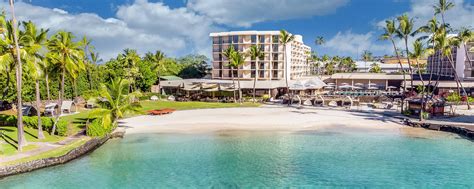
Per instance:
{"type": "Point", "coordinates": [273, 118]}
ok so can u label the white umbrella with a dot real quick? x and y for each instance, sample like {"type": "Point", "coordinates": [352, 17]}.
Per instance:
{"type": "Point", "coordinates": [373, 88]}
{"type": "Point", "coordinates": [372, 84]}
{"type": "Point", "coordinates": [391, 87]}
{"type": "Point", "coordinates": [331, 84]}
{"type": "Point", "coordinates": [344, 84]}
{"type": "Point", "coordinates": [359, 84]}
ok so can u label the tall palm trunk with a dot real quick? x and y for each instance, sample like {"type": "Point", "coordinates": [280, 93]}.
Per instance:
{"type": "Point", "coordinates": [60, 101]}
{"type": "Point", "coordinates": [47, 85]}
{"type": "Point", "coordinates": [38, 112]}
{"type": "Point", "coordinates": [404, 75]}
{"type": "Point", "coordinates": [290, 99]}
{"type": "Point", "coordinates": [459, 83]}
{"type": "Point", "coordinates": [233, 83]}
{"type": "Point", "coordinates": [422, 91]}
{"type": "Point", "coordinates": [21, 137]}
{"type": "Point", "coordinates": [89, 78]}
{"type": "Point", "coordinates": [238, 83]}
{"type": "Point", "coordinates": [255, 79]}
{"type": "Point", "coordinates": [431, 70]}
{"type": "Point", "coordinates": [74, 84]}
{"type": "Point", "coordinates": [409, 63]}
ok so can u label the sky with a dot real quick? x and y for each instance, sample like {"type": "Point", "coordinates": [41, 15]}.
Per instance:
{"type": "Point", "coordinates": [181, 27]}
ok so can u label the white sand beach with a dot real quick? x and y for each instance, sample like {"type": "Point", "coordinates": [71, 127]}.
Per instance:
{"type": "Point", "coordinates": [268, 118]}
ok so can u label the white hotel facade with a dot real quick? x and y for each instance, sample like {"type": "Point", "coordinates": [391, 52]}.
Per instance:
{"type": "Point", "coordinates": [271, 67]}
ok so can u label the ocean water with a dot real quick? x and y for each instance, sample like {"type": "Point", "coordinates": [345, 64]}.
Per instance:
{"type": "Point", "coordinates": [254, 160]}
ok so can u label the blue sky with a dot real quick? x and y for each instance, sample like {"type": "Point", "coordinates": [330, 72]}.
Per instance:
{"type": "Point", "coordinates": [180, 27]}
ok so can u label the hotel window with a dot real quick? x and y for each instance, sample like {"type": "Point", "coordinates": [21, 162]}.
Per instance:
{"type": "Point", "coordinates": [220, 65]}
{"type": "Point", "coordinates": [236, 74]}
{"type": "Point", "coordinates": [275, 74]}
{"type": "Point", "coordinates": [236, 47]}
{"type": "Point", "coordinates": [253, 38]}
{"type": "Point", "coordinates": [275, 56]}
{"type": "Point", "coordinates": [253, 65]}
{"type": "Point", "coordinates": [261, 74]}
{"type": "Point", "coordinates": [262, 66]}
{"type": "Point", "coordinates": [275, 47]}
{"type": "Point", "coordinates": [275, 39]}
{"type": "Point", "coordinates": [253, 74]}
{"type": "Point", "coordinates": [262, 38]}
{"type": "Point", "coordinates": [220, 73]}
{"type": "Point", "coordinates": [262, 47]}
{"type": "Point", "coordinates": [235, 39]}
{"type": "Point", "coordinates": [275, 65]}
{"type": "Point", "coordinates": [215, 40]}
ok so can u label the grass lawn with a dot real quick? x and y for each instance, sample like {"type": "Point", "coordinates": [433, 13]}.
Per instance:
{"type": "Point", "coordinates": [150, 105]}
{"type": "Point", "coordinates": [8, 139]}
{"type": "Point", "coordinates": [52, 153]}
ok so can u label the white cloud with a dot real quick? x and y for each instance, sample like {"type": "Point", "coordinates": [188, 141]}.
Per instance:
{"type": "Point", "coordinates": [244, 13]}
{"type": "Point", "coordinates": [352, 44]}
{"type": "Point", "coordinates": [143, 25]}
{"type": "Point", "coordinates": [348, 43]}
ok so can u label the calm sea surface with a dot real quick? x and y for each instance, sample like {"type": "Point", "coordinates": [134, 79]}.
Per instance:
{"type": "Point", "coordinates": [243, 160]}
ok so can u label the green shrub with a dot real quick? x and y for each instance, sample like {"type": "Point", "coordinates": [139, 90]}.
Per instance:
{"type": "Point", "coordinates": [87, 95]}
{"type": "Point", "coordinates": [96, 129]}
{"type": "Point", "coordinates": [453, 97]}
{"type": "Point", "coordinates": [47, 123]}
{"type": "Point", "coordinates": [7, 120]}
{"type": "Point", "coordinates": [265, 97]}
{"type": "Point", "coordinates": [31, 122]}
{"type": "Point", "coordinates": [62, 127]}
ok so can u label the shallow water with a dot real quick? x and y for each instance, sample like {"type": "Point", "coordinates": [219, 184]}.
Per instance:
{"type": "Point", "coordinates": [244, 159]}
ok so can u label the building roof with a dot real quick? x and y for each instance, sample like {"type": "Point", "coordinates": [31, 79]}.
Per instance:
{"type": "Point", "coordinates": [170, 77]}
{"type": "Point", "coordinates": [249, 32]}
{"type": "Point", "coordinates": [372, 76]}
{"type": "Point", "coordinates": [298, 84]}
{"type": "Point", "coordinates": [445, 84]}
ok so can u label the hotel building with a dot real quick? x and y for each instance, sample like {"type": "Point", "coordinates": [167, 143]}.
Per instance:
{"type": "Point", "coordinates": [271, 67]}
{"type": "Point", "coordinates": [440, 65]}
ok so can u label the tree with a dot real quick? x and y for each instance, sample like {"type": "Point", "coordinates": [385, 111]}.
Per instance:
{"type": "Point", "coordinates": [157, 61]}
{"type": "Point", "coordinates": [193, 66]}
{"type": "Point", "coordinates": [129, 59]}
{"type": "Point", "coordinates": [464, 36]}
{"type": "Point", "coordinates": [228, 54]}
{"type": "Point", "coordinates": [285, 39]}
{"type": "Point", "coordinates": [405, 29]}
{"type": "Point", "coordinates": [418, 52]}
{"type": "Point", "coordinates": [68, 57]}
{"type": "Point", "coordinates": [442, 7]}
{"type": "Point", "coordinates": [319, 40]}
{"type": "Point", "coordinates": [88, 50]}
{"type": "Point", "coordinates": [256, 54]}
{"type": "Point", "coordinates": [237, 59]}
{"type": "Point", "coordinates": [118, 102]}
{"type": "Point", "coordinates": [389, 34]}
{"type": "Point", "coordinates": [432, 29]}
{"type": "Point", "coordinates": [12, 57]}
{"type": "Point", "coordinates": [375, 68]}
{"type": "Point", "coordinates": [367, 56]}
{"type": "Point", "coordinates": [34, 42]}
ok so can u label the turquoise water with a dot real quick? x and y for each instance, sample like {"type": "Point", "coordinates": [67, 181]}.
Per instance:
{"type": "Point", "coordinates": [243, 160]}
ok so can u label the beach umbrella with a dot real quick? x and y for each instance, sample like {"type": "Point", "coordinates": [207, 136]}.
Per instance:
{"type": "Point", "coordinates": [359, 84]}
{"type": "Point", "coordinates": [372, 84]}
{"type": "Point", "coordinates": [373, 88]}
{"type": "Point", "coordinates": [344, 84]}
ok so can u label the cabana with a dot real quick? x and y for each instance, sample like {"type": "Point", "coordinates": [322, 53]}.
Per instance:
{"type": "Point", "coordinates": [51, 109]}
{"type": "Point", "coordinates": [68, 106]}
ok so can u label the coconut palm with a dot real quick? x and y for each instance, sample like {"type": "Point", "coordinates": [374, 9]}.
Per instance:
{"type": "Point", "coordinates": [319, 40]}
{"type": "Point", "coordinates": [404, 30]}
{"type": "Point", "coordinates": [255, 53]}
{"type": "Point", "coordinates": [285, 39]}
{"type": "Point", "coordinates": [431, 28]}
{"type": "Point", "coordinates": [67, 55]}
{"type": "Point", "coordinates": [375, 68]}
{"type": "Point", "coordinates": [157, 60]}
{"type": "Point", "coordinates": [419, 51]}
{"type": "Point", "coordinates": [118, 102]}
{"type": "Point", "coordinates": [228, 54]}
{"type": "Point", "coordinates": [130, 59]}
{"type": "Point", "coordinates": [442, 7]}
{"type": "Point", "coordinates": [11, 40]}
{"type": "Point", "coordinates": [389, 34]}
{"type": "Point", "coordinates": [87, 48]}
{"type": "Point", "coordinates": [34, 41]}
{"type": "Point", "coordinates": [367, 56]}
{"type": "Point", "coordinates": [237, 59]}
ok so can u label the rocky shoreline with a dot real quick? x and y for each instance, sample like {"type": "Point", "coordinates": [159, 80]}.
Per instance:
{"type": "Point", "coordinates": [89, 146]}
{"type": "Point", "coordinates": [462, 131]}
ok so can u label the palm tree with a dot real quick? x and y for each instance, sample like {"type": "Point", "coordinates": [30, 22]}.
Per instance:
{"type": "Point", "coordinates": [255, 53]}
{"type": "Point", "coordinates": [130, 59]}
{"type": "Point", "coordinates": [88, 50]}
{"type": "Point", "coordinates": [390, 31]}
{"type": "Point", "coordinates": [375, 68]}
{"type": "Point", "coordinates": [157, 60]}
{"type": "Point", "coordinates": [34, 41]}
{"type": "Point", "coordinates": [13, 37]}
{"type": "Point", "coordinates": [405, 29]}
{"type": "Point", "coordinates": [286, 38]}
{"type": "Point", "coordinates": [367, 56]}
{"type": "Point", "coordinates": [464, 36]}
{"type": "Point", "coordinates": [432, 28]}
{"type": "Point", "coordinates": [319, 40]}
{"type": "Point", "coordinates": [237, 59]}
{"type": "Point", "coordinates": [418, 52]}
{"type": "Point", "coordinates": [442, 7]}
{"type": "Point", "coordinates": [68, 57]}
{"type": "Point", "coordinates": [118, 102]}
{"type": "Point", "coordinates": [228, 54]}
